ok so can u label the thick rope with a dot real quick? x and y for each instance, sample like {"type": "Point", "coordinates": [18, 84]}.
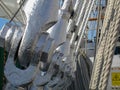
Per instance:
{"type": "Point", "coordinates": [99, 55]}
{"type": "Point", "coordinates": [110, 46]}
{"type": "Point", "coordinates": [107, 45]}
{"type": "Point", "coordinates": [107, 42]}
{"type": "Point", "coordinates": [100, 50]}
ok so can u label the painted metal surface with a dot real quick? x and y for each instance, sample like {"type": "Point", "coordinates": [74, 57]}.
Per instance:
{"type": "Point", "coordinates": [39, 18]}
{"type": "Point", "coordinates": [1, 67]}
{"type": "Point", "coordinates": [45, 52]}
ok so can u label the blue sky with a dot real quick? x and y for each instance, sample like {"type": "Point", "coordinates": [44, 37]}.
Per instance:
{"type": "Point", "coordinates": [2, 22]}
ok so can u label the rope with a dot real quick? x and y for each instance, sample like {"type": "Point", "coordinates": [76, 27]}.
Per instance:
{"type": "Point", "coordinates": [17, 12]}
{"type": "Point", "coordinates": [84, 24]}
{"type": "Point", "coordinates": [105, 52]}
{"type": "Point", "coordinates": [110, 46]}
{"type": "Point", "coordinates": [98, 25]}
{"type": "Point", "coordinates": [99, 55]}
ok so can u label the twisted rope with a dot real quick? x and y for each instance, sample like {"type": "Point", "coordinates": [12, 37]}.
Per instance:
{"type": "Point", "coordinates": [98, 62]}
{"type": "Point", "coordinates": [110, 46]}
{"type": "Point", "coordinates": [100, 51]}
